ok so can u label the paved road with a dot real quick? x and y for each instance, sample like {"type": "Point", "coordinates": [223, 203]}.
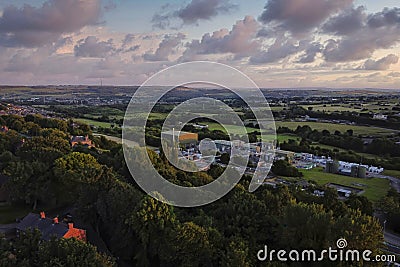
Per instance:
{"type": "Point", "coordinates": [395, 182]}
{"type": "Point", "coordinates": [392, 239]}
{"type": "Point", "coordinates": [392, 243]}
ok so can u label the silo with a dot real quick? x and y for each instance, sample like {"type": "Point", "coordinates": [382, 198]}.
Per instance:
{"type": "Point", "coordinates": [335, 167]}
{"type": "Point", "coordinates": [362, 172]}
{"type": "Point", "coordinates": [329, 166]}
{"type": "Point", "coordinates": [354, 171]}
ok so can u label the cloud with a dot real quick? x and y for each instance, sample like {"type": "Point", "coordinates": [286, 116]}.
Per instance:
{"type": "Point", "coordinates": [240, 41]}
{"type": "Point", "coordinates": [348, 22]}
{"type": "Point", "coordinates": [110, 5]}
{"type": "Point", "coordinates": [389, 16]}
{"type": "Point", "coordinates": [166, 48]}
{"type": "Point", "coordinates": [310, 53]}
{"type": "Point", "coordinates": [193, 12]}
{"type": "Point", "coordinates": [30, 26]}
{"type": "Point", "coordinates": [280, 49]}
{"type": "Point", "coordinates": [394, 74]}
{"type": "Point", "coordinates": [379, 31]}
{"type": "Point", "coordinates": [299, 16]}
{"type": "Point", "coordinates": [381, 64]}
{"type": "Point", "coordinates": [92, 47]}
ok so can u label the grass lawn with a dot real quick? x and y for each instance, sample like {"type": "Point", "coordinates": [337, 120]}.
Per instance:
{"type": "Point", "coordinates": [94, 123]}
{"type": "Point", "coordinates": [393, 173]}
{"type": "Point", "coordinates": [8, 214]}
{"type": "Point", "coordinates": [363, 130]}
{"type": "Point", "coordinates": [233, 129]}
{"type": "Point", "coordinates": [375, 189]}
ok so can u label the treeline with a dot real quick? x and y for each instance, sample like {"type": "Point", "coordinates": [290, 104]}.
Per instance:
{"type": "Point", "coordinates": [393, 122]}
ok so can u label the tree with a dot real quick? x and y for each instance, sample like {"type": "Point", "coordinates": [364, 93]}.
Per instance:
{"type": "Point", "coordinates": [305, 226]}
{"type": "Point", "coordinates": [225, 158]}
{"type": "Point", "coordinates": [30, 182]}
{"type": "Point", "coordinates": [237, 254]}
{"type": "Point", "coordinates": [282, 167]}
{"type": "Point", "coordinates": [152, 221]}
{"type": "Point", "coordinates": [192, 245]}
{"type": "Point", "coordinates": [77, 167]}
{"type": "Point", "coordinates": [360, 203]}
{"type": "Point", "coordinates": [28, 249]}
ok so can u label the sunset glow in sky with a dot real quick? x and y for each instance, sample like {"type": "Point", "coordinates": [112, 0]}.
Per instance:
{"type": "Point", "coordinates": [278, 43]}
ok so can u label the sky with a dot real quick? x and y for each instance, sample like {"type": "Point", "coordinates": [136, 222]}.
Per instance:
{"type": "Point", "coordinates": [277, 43]}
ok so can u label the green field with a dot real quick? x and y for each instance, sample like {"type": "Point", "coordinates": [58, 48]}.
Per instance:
{"type": "Point", "coordinates": [363, 130]}
{"type": "Point", "coordinates": [392, 173]}
{"type": "Point", "coordinates": [375, 189]}
{"type": "Point", "coordinates": [233, 129]}
{"type": "Point", "coordinates": [94, 123]}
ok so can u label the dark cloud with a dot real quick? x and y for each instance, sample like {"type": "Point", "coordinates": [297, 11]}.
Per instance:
{"type": "Point", "coordinates": [380, 31]}
{"type": "Point", "coordinates": [280, 49]}
{"type": "Point", "coordinates": [299, 16]}
{"type": "Point", "coordinates": [92, 47]}
{"type": "Point", "coordinates": [266, 32]}
{"type": "Point", "coordinates": [389, 16]}
{"type": "Point", "coordinates": [166, 48]}
{"type": "Point", "coordinates": [128, 39]}
{"type": "Point", "coordinates": [381, 64]}
{"type": "Point", "coordinates": [30, 26]}
{"type": "Point", "coordinates": [310, 53]}
{"type": "Point", "coordinates": [133, 48]}
{"type": "Point", "coordinates": [110, 5]}
{"type": "Point", "coordinates": [350, 21]}
{"type": "Point", "coordinates": [203, 10]}
{"type": "Point", "coordinates": [192, 13]}
{"type": "Point", "coordinates": [239, 41]}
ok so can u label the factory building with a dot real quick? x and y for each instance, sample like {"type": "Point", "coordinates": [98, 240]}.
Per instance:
{"type": "Point", "coordinates": [181, 137]}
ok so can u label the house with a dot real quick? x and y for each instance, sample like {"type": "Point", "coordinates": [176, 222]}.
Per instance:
{"type": "Point", "coordinates": [3, 191]}
{"type": "Point", "coordinates": [81, 140]}
{"type": "Point", "coordinates": [50, 227]}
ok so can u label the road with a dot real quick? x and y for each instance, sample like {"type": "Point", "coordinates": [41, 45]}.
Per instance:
{"type": "Point", "coordinates": [395, 182]}
{"type": "Point", "coordinates": [392, 242]}
{"type": "Point", "coordinates": [392, 239]}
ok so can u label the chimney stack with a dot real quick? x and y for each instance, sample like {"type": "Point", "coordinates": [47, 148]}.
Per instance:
{"type": "Point", "coordinates": [42, 215]}
{"type": "Point", "coordinates": [55, 220]}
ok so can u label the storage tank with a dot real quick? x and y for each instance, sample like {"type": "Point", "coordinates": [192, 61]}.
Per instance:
{"type": "Point", "coordinates": [354, 171]}
{"type": "Point", "coordinates": [335, 168]}
{"type": "Point", "coordinates": [362, 172]}
{"type": "Point", "coordinates": [332, 166]}
{"type": "Point", "coordinates": [329, 166]}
